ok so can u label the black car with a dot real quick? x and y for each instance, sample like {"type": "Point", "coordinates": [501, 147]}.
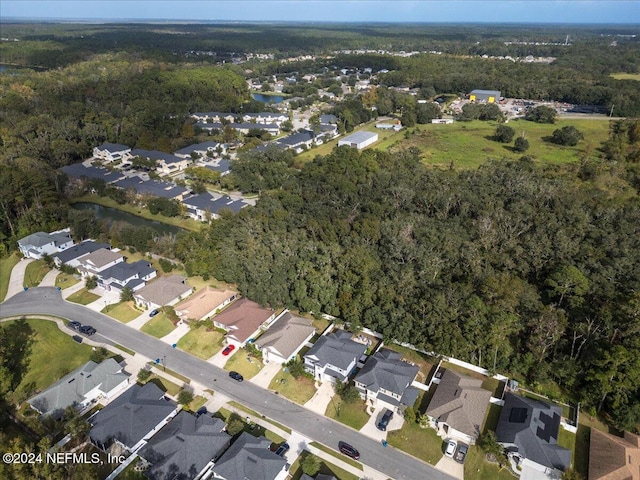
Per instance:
{"type": "Point", "coordinates": [461, 453]}
{"type": "Point", "coordinates": [282, 449]}
{"type": "Point", "coordinates": [75, 325]}
{"type": "Point", "coordinates": [201, 411]}
{"type": "Point", "coordinates": [153, 313]}
{"type": "Point", "coordinates": [236, 376]}
{"type": "Point", "coordinates": [87, 330]}
{"type": "Point", "coordinates": [384, 421]}
{"type": "Point", "coordinates": [348, 450]}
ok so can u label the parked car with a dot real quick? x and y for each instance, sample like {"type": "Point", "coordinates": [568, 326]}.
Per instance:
{"type": "Point", "coordinates": [228, 349]}
{"type": "Point", "coordinates": [236, 376]}
{"type": "Point", "coordinates": [201, 411]}
{"type": "Point", "coordinates": [451, 448]}
{"type": "Point", "coordinates": [348, 450]}
{"type": "Point", "coordinates": [384, 421]}
{"type": "Point", "coordinates": [461, 453]}
{"type": "Point", "coordinates": [75, 325]}
{"type": "Point", "coordinates": [87, 330]}
{"type": "Point", "coordinates": [282, 449]}
{"type": "Point", "coordinates": [153, 313]}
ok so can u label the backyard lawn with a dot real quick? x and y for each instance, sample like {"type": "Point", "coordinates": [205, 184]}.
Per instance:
{"type": "Point", "coordinates": [35, 272]}
{"type": "Point", "coordinates": [83, 297]}
{"type": "Point", "coordinates": [326, 468]}
{"type": "Point", "coordinates": [423, 443]}
{"type": "Point", "coordinates": [426, 362]}
{"type": "Point", "coordinates": [123, 311]}
{"type": "Point", "coordinates": [201, 342]}
{"type": "Point", "coordinates": [351, 414]}
{"type": "Point", "coordinates": [6, 265]}
{"type": "Point", "coordinates": [492, 417]}
{"type": "Point", "coordinates": [53, 354]}
{"type": "Point", "coordinates": [242, 363]}
{"type": "Point", "coordinates": [64, 280]}
{"type": "Point", "coordinates": [299, 390]}
{"type": "Point", "coordinates": [567, 439]}
{"type": "Point", "coordinates": [478, 468]}
{"type": "Point", "coordinates": [158, 326]}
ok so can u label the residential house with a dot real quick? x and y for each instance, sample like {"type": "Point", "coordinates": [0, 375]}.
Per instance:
{"type": "Point", "coordinates": [529, 431]}
{"type": "Point", "coordinates": [458, 406]}
{"type": "Point", "coordinates": [166, 163]}
{"type": "Point", "coordinates": [300, 141]}
{"type": "Point", "coordinates": [328, 119]}
{"type": "Point", "coordinates": [614, 458]}
{"type": "Point", "coordinates": [81, 388]}
{"type": "Point", "coordinates": [132, 418]}
{"type": "Point", "coordinates": [40, 243]}
{"type": "Point", "coordinates": [203, 149]}
{"type": "Point", "coordinates": [215, 117]}
{"type": "Point", "coordinates": [205, 206]}
{"type": "Point", "coordinates": [152, 187]}
{"type": "Point", "coordinates": [242, 321]}
{"type": "Point", "coordinates": [72, 255]}
{"type": "Point", "coordinates": [204, 303]}
{"type": "Point", "coordinates": [209, 126]}
{"type": "Point", "coordinates": [334, 357]}
{"type": "Point", "coordinates": [79, 170]}
{"type": "Point", "coordinates": [265, 117]}
{"type": "Point", "coordinates": [127, 275]}
{"type": "Point", "coordinates": [245, 128]}
{"type": "Point", "coordinates": [249, 457]}
{"type": "Point", "coordinates": [97, 261]}
{"type": "Point", "coordinates": [285, 338]}
{"type": "Point", "coordinates": [385, 380]}
{"type": "Point", "coordinates": [185, 447]}
{"type": "Point", "coordinates": [167, 290]}
{"type": "Point", "coordinates": [110, 152]}
{"type": "Point", "coordinates": [222, 166]}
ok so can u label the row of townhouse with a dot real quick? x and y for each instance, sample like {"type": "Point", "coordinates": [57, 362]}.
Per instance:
{"type": "Point", "coordinates": [261, 117]}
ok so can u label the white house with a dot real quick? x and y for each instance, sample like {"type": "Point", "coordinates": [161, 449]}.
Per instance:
{"type": "Point", "coordinates": [110, 152]}
{"type": "Point", "coordinates": [97, 261]}
{"type": "Point", "coordinates": [167, 290]}
{"type": "Point", "coordinates": [40, 243]}
{"type": "Point", "coordinates": [285, 338]}
{"type": "Point", "coordinates": [359, 140]}
{"type": "Point", "coordinates": [334, 357]}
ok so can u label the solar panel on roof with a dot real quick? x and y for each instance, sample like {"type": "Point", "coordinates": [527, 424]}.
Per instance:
{"type": "Point", "coordinates": [551, 426]}
{"type": "Point", "coordinates": [518, 415]}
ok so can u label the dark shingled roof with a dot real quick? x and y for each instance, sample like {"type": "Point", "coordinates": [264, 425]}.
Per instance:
{"type": "Point", "coordinates": [78, 170]}
{"type": "Point", "coordinates": [88, 246]}
{"type": "Point", "coordinates": [168, 158]}
{"type": "Point", "coordinates": [533, 426]}
{"type": "Point", "coordinates": [113, 147]}
{"type": "Point", "coordinates": [336, 349]}
{"type": "Point", "coordinates": [249, 458]}
{"type": "Point", "coordinates": [205, 201]}
{"type": "Point", "coordinates": [123, 271]}
{"type": "Point", "coordinates": [297, 138]}
{"type": "Point", "coordinates": [155, 188]}
{"type": "Point", "coordinates": [386, 370]}
{"type": "Point", "coordinates": [198, 147]}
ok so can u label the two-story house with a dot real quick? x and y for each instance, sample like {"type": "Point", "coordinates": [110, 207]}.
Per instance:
{"type": "Point", "coordinates": [334, 357]}
{"type": "Point", "coordinates": [40, 243]}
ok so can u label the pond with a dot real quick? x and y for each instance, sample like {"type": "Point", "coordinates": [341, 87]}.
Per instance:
{"type": "Point", "coordinates": [259, 97]}
{"type": "Point", "coordinates": [108, 213]}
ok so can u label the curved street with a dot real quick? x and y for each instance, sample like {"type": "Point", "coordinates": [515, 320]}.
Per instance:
{"type": "Point", "coordinates": [390, 461]}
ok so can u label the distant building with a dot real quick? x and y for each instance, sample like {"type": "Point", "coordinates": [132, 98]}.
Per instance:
{"type": "Point", "coordinates": [111, 151]}
{"type": "Point", "coordinates": [484, 96]}
{"type": "Point", "coordinates": [200, 149]}
{"type": "Point", "coordinates": [40, 243]}
{"type": "Point", "coordinates": [442, 121]}
{"type": "Point", "coordinates": [204, 303]}
{"type": "Point", "coordinates": [359, 140]}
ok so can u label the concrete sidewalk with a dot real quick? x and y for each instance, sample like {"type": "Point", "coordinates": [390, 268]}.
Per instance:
{"type": "Point", "coordinates": [67, 292]}
{"type": "Point", "coordinates": [176, 334]}
{"type": "Point", "coordinates": [16, 281]}
{"type": "Point", "coordinates": [139, 321]}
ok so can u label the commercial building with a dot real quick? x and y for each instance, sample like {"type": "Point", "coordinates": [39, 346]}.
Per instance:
{"type": "Point", "coordinates": [359, 140]}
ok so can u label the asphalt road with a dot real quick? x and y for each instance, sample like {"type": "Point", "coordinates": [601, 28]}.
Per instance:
{"type": "Point", "coordinates": [391, 462]}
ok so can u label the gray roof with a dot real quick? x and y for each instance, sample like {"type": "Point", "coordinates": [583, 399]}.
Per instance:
{"type": "Point", "coordinates": [131, 416]}
{"type": "Point", "coordinates": [206, 201]}
{"type": "Point", "coordinates": [254, 126]}
{"type": "Point", "coordinates": [297, 138]}
{"type": "Point", "coordinates": [336, 349]}
{"type": "Point", "coordinates": [386, 370]}
{"type": "Point", "coordinates": [534, 427]}
{"type": "Point", "coordinates": [113, 147]}
{"type": "Point", "coordinates": [151, 187]}
{"type": "Point", "coordinates": [249, 457]}
{"type": "Point", "coordinates": [286, 334]}
{"type": "Point", "coordinates": [164, 290]}
{"type": "Point", "coordinates": [101, 257]}
{"type": "Point", "coordinates": [78, 170]}
{"type": "Point", "coordinates": [492, 93]}
{"type": "Point", "coordinates": [328, 119]}
{"type": "Point", "coordinates": [359, 137]}
{"type": "Point", "coordinates": [318, 477]}
{"type": "Point", "coordinates": [79, 250]}
{"type": "Point", "coordinates": [460, 402]}
{"type": "Point", "coordinates": [198, 147]}
{"type": "Point", "coordinates": [184, 446]}
{"type": "Point", "coordinates": [38, 239]}
{"type": "Point", "coordinates": [222, 166]}
{"type": "Point", "coordinates": [167, 158]}
{"type": "Point", "coordinates": [209, 126]}
{"type": "Point", "coordinates": [71, 389]}
{"type": "Point", "coordinates": [124, 271]}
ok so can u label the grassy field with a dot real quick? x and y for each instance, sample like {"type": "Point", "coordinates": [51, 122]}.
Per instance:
{"type": "Point", "coordinates": [158, 326]}
{"type": "Point", "coordinates": [64, 280]}
{"type": "Point", "coordinates": [477, 468]}
{"type": "Point", "coordinates": [83, 297]}
{"type": "Point", "coordinates": [337, 454]}
{"type": "Point", "coordinates": [35, 272]}
{"type": "Point", "coordinates": [122, 311]}
{"type": "Point", "coordinates": [423, 443]}
{"type": "Point", "coordinates": [202, 343]}
{"type": "Point", "coordinates": [326, 468]}
{"type": "Point", "coordinates": [626, 76]}
{"type": "Point", "coordinates": [240, 362]}
{"type": "Point", "coordinates": [186, 223]}
{"type": "Point", "coordinates": [53, 355]}
{"type": "Point", "coordinates": [6, 265]}
{"type": "Point", "coordinates": [299, 390]}
{"type": "Point", "coordinates": [351, 414]}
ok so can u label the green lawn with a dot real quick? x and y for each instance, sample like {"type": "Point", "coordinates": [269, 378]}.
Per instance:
{"type": "Point", "coordinates": [240, 362]}
{"type": "Point", "coordinates": [492, 417]}
{"type": "Point", "coordinates": [53, 355]}
{"type": "Point", "coordinates": [35, 272]}
{"type": "Point", "coordinates": [123, 311]}
{"type": "Point", "coordinates": [256, 414]}
{"type": "Point", "coordinates": [6, 265]}
{"type": "Point", "coordinates": [158, 326]}
{"type": "Point", "coordinates": [567, 439]}
{"type": "Point", "coordinates": [299, 390]}
{"type": "Point", "coordinates": [326, 468]}
{"type": "Point", "coordinates": [581, 460]}
{"type": "Point", "coordinates": [201, 342]}
{"type": "Point", "coordinates": [626, 76]}
{"type": "Point", "coordinates": [64, 280]}
{"type": "Point", "coordinates": [422, 443]}
{"type": "Point", "coordinates": [426, 363]}
{"type": "Point", "coordinates": [351, 414]}
{"type": "Point", "coordinates": [83, 297]}
{"type": "Point", "coordinates": [477, 468]}
{"type": "Point", "coordinates": [164, 384]}
{"type": "Point", "coordinates": [130, 473]}
{"type": "Point", "coordinates": [337, 454]}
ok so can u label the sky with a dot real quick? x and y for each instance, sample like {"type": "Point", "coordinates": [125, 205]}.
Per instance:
{"type": "Point", "coordinates": [450, 11]}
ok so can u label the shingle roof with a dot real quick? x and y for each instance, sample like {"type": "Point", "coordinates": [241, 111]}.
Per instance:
{"type": "Point", "coordinates": [37, 239]}
{"type": "Point", "coordinates": [336, 349]}
{"type": "Point", "coordinates": [203, 302]}
{"type": "Point", "coordinates": [101, 257]}
{"type": "Point", "coordinates": [197, 147]}
{"type": "Point", "coordinates": [460, 402]}
{"type": "Point", "coordinates": [132, 415]}
{"type": "Point", "coordinates": [164, 290]}
{"type": "Point", "coordinates": [151, 187]}
{"type": "Point", "coordinates": [206, 201]}
{"type": "Point", "coordinates": [242, 318]}
{"type": "Point", "coordinates": [249, 458]}
{"type": "Point", "coordinates": [297, 138]}
{"type": "Point", "coordinates": [614, 458]}
{"type": "Point", "coordinates": [386, 370]}
{"type": "Point", "coordinates": [328, 119]}
{"type": "Point", "coordinates": [533, 426]}
{"type": "Point", "coordinates": [184, 446]}
{"type": "Point", "coordinates": [113, 147]}
{"type": "Point", "coordinates": [78, 170]}
{"type": "Point", "coordinates": [72, 388]}
{"type": "Point", "coordinates": [286, 334]}
{"type": "Point", "coordinates": [123, 271]}
{"type": "Point", "coordinates": [79, 250]}
{"type": "Point", "coordinates": [167, 158]}
{"type": "Point", "coordinates": [223, 165]}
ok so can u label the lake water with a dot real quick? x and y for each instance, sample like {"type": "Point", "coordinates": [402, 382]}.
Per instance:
{"type": "Point", "coordinates": [109, 213]}
{"type": "Point", "coordinates": [258, 97]}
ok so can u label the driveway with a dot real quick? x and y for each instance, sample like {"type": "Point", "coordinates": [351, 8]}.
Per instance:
{"type": "Point", "coordinates": [263, 377]}
{"type": "Point", "coordinates": [16, 281]}
{"type": "Point", "coordinates": [370, 429]}
{"type": "Point", "coordinates": [106, 298]}
{"type": "Point", "coordinates": [220, 360]}
{"type": "Point", "coordinates": [451, 467]}
{"type": "Point", "coordinates": [49, 279]}
{"type": "Point", "coordinates": [320, 400]}
{"type": "Point", "coordinates": [176, 334]}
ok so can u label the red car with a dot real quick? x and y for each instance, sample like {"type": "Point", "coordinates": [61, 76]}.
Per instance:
{"type": "Point", "coordinates": [228, 349]}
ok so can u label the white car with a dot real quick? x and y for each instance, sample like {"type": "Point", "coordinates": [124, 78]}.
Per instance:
{"type": "Point", "coordinates": [451, 448]}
